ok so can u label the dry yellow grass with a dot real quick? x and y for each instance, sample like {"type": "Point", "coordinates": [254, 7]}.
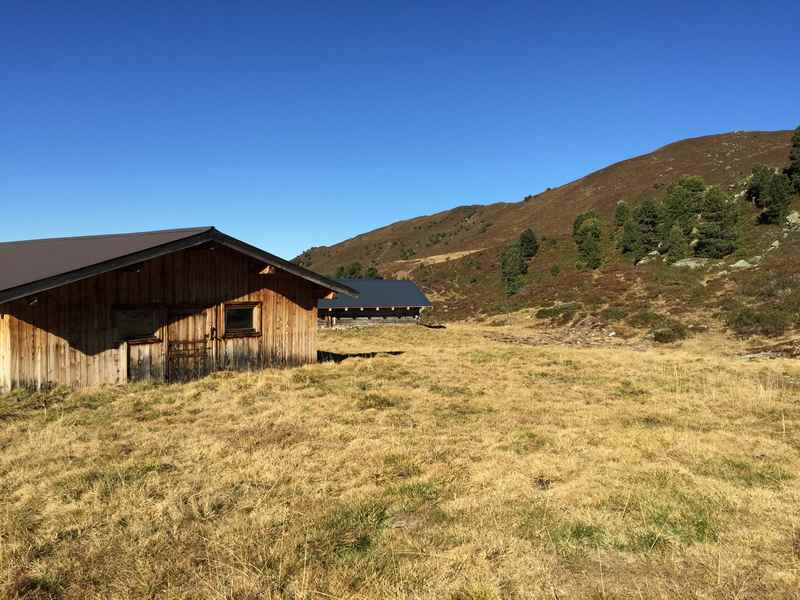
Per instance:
{"type": "Point", "coordinates": [460, 468]}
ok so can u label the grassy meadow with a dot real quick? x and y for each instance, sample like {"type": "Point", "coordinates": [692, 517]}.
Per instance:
{"type": "Point", "coordinates": [448, 465]}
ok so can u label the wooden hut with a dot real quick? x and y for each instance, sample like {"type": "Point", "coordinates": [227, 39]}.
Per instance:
{"type": "Point", "coordinates": [378, 300]}
{"type": "Point", "coordinates": [163, 305]}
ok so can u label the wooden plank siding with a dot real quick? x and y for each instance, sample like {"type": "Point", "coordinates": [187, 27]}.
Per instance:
{"type": "Point", "coordinates": [67, 336]}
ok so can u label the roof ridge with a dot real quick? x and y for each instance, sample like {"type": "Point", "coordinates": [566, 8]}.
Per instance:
{"type": "Point", "coordinates": [111, 235]}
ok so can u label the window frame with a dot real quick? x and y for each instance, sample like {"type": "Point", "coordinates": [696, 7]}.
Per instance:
{"type": "Point", "coordinates": [157, 314]}
{"type": "Point", "coordinates": [254, 331]}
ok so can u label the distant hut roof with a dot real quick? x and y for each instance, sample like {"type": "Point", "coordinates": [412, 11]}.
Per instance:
{"type": "Point", "coordinates": [378, 293]}
{"type": "Point", "coordinates": [32, 266]}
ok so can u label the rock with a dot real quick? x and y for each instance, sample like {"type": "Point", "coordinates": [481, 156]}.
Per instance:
{"type": "Point", "coordinates": [756, 259]}
{"type": "Point", "coordinates": [774, 246]}
{"type": "Point", "coordinates": [793, 220]}
{"type": "Point", "coordinates": [741, 264]}
{"type": "Point", "coordinates": [654, 255]}
{"type": "Point", "coordinates": [691, 263]}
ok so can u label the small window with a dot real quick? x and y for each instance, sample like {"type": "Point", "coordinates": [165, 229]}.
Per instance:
{"type": "Point", "coordinates": [241, 319]}
{"type": "Point", "coordinates": [136, 324]}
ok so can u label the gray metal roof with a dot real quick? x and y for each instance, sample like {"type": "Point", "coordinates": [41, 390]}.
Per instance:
{"type": "Point", "coordinates": [378, 293]}
{"type": "Point", "coordinates": [32, 266]}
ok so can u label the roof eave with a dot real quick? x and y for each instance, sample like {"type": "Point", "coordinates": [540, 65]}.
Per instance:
{"type": "Point", "coordinates": [210, 234]}
{"type": "Point", "coordinates": [49, 283]}
{"type": "Point", "coordinates": [283, 264]}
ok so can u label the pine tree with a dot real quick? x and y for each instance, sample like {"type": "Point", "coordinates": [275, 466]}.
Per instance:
{"type": "Point", "coordinates": [719, 229]}
{"type": "Point", "coordinates": [528, 243]}
{"type": "Point", "coordinates": [776, 199]}
{"type": "Point", "coordinates": [794, 156]}
{"type": "Point", "coordinates": [630, 243]}
{"type": "Point", "coordinates": [759, 182]}
{"type": "Point", "coordinates": [682, 205]}
{"type": "Point", "coordinates": [578, 223]}
{"type": "Point", "coordinates": [648, 217]}
{"type": "Point", "coordinates": [678, 245]}
{"type": "Point", "coordinates": [590, 253]}
{"type": "Point", "coordinates": [513, 267]}
{"type": "Point", "coordinates": [621, 214]}
{"type": "Point", "coordinates": [587, 232]}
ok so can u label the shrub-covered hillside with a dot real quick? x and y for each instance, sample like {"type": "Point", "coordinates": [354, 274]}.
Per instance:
{"type": "Point", "coordinates": [695, 226]}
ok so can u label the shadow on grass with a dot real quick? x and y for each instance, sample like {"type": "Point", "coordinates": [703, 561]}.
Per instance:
{"type": "Point", "coordinates": [433, 325]}
{"type": "Point", "coordinates": [323, 356]}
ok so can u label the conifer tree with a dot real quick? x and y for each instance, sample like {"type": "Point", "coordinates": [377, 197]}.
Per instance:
{"type": "Point", "coordinates": [621, 214]}
{"type": "Point", "coordinates": [648, 217]}
{"type": "Point", "coordinates": [678, 245]}
{"type": "Point", "coordinates": [528, 243]}
{"type": "Point", "coordinates": [587, 232]}
{"type": "Point", "coordinates": [630, 243]}
{"type": "Point", "coordinates": [513, 267]}
{"type": "Point", "coordinates": [776, 199]}
{"type": "Point", "coordinates": [759, 181]}
{"type": "Point", "coordinates": [682, 205]}
{"type": "Point", "coordinates": [719, 227]}
{"type": "Point", "coordinates": [794, 156]}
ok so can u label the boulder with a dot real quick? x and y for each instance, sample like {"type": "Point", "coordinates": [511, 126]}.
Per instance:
{"type": "Point", "coordinates": [691, 263]}
{"type": "Point", "coordinates": [649, 258]}
{"type": "Point", "coordinates": [774, 246]}
{"type": "Point", "coordinates": [741, 264]}
{"type": "Point", "coordinates": [793, 220]}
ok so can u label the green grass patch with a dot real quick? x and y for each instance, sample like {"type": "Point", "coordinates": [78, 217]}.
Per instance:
{"type": "Point", "coordinates": [746, 473]}
{"type": "Point", "coordinates": [400, 466]}
{"type": "Point", "coordinates": [106, 481]}
{"type": "Point", "coordinates": [374, 401]}
{"type": "Point", "coordinates": [525, 442]}
{"type": "Point", "coordinates": [345, 531]}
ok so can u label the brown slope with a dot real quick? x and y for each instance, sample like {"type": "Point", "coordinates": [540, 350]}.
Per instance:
{"type": "Point", "coordinates": [720, 159]}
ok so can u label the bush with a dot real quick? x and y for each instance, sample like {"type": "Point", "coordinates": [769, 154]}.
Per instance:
{"type": "Point", "coordinates": [555, 270]}
{"type": "Point", "coordinates": [356, 271]}
{"type": "Point", "coordinates": [670, 331]}
{"type": "Point", "coordinates": [565, 312]}
{"type": "Point", "coordinates": [748, 321]}
{"type": "Point", "coordinates": [613, 313]}
{"type": "Point", "coordinates": [664, 329]}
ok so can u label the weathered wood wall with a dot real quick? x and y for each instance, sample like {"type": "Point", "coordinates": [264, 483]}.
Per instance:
{"type": "Point", "coordinates": [5, 351]}
{"type": "Point", "coordinates": [67, 336]}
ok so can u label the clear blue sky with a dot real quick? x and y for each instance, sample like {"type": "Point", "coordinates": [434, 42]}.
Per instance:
{"type": "Point", "coordinates": [290, 127]}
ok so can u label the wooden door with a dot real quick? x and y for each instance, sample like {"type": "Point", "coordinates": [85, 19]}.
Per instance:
{"type": "Point", "coordinates": [189, 354]}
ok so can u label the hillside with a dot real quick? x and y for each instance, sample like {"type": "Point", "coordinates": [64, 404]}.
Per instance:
{"type": "Point", "coordinates": [455, 254]}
